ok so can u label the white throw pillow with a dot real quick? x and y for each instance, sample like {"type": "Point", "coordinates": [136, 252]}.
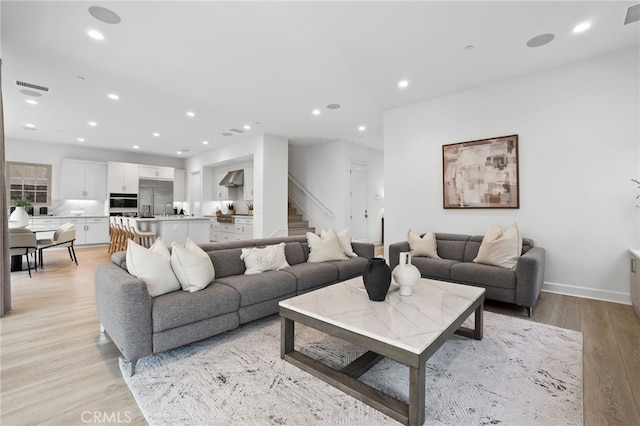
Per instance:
{"type": "Point", "coordinates": [499, 249]}
{"type": "Point", "coordinates": [192, 266]}
{"type": "Point", "coordinates": [153, 266]}
{"type": "Point", "coordinates": [344, 239]}
{"type": "Point", "coordinates": [324, 249]}
{"type": "Point", "coordinates": [269, 258]}
{"type": "Point", "coordinates": [425, 246]}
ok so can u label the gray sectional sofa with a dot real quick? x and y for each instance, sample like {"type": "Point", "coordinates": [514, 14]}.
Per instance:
{"type": "Point", "coordinates": [141, 325]}
{"type": "Point", "coordinates": [520, 286]}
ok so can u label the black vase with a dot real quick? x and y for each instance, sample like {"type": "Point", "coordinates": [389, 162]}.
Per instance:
{"type": "Point", "coordinates": [377, 279]}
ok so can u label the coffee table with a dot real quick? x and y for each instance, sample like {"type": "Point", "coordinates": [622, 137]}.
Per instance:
{"type": "Point", "coordinates": [406, 329]}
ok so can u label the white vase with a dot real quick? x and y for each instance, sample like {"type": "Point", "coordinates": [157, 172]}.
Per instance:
{"type": "Point", "coordinates": [19, 218]}
{"type": "Point", "coordinates": [405, 274]}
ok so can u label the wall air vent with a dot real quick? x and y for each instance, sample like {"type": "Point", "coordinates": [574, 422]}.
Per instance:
{"type": "Point", "coordinates": [633, 14]}
{"type": "Point", "coordinates": [32, 86]}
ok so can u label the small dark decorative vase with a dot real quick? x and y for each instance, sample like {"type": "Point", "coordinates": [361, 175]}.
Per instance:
{"type": "Point", "coordinates": [377, 279]}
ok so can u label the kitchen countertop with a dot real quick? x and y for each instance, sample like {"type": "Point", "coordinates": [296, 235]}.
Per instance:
{"type": "Point", "coordinates": [167, 218]}
{"type": "Point", "coordinates": [65, 217]}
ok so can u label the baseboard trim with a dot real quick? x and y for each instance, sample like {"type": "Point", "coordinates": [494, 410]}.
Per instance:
{"type": "Point", "coordinates": [587, 293]}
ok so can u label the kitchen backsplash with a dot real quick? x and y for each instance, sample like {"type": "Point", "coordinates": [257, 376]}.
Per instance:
{"type": "Point", "coordinates": [65, 208]}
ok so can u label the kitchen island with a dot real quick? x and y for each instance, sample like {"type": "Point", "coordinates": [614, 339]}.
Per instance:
{"type": "Point", "coordinates": [176, 228]}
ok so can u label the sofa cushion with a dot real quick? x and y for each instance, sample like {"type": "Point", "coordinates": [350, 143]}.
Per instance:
{"type": "Point", "coordinates": [153, 266]}
{"type": "Point", "coordinates": [311, 275]}
{"type": "Point", "coordinates": [260, 287]}
{"type": "Point", "coordinates": [483, 275]}
{"type": "Point", "coordinates": [181, 308]}
{"type": "Point", "coordinates": [269, 258]}
{"type": "Point", "coordinates": [423, 246]}
{"type": "Point", "coordinates": [227, 262]}
{"type": "Point", "coordinates": [451, 246]}
{"type": "Point", "coordinates": [500, 249]}
{"type": "Point", "coordinates": [433, 268]}
{"type": "Point", "coordinates": [294, 253]}
{"type": "Point", "coordinates": [324, 248]}
{"type": "Point", "coordinates": [350, 268]}
{"type": "Point", "coordinates": [192, 266]}
{"type": "Point", "coordinates": [344, 239]}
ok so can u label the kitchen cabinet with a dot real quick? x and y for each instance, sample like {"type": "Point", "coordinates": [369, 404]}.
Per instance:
{"type": "Point", "coordinates": [89, 230]}
{"type": "Point", "coordinates": [83, 180]}
{"type": "Point", "coordinates": [122, 178]}
{"type": "Point", "coordinates": [179, 185]}
{"type": "Point", "coordinates": [155, 172]}
{"type": "Point", "coordinates": [241, 230]}
{"type": "Point", "coordinates": [176, 229]}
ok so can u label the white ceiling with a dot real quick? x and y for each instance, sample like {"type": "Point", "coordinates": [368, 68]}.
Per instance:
{"type": "Point", "coordinates": [269, 64]}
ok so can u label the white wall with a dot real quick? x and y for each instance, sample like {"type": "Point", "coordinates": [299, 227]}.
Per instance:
{"type": "Point", "coordinates": [578, 128]}
{"type": "Point", "coordinates": [270, 157]}
{"type": "Point", "coordinates": [323, 169]}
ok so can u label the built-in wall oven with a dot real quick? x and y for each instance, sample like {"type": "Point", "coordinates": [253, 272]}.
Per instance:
{"type": "Point", "coordinates": [121, 204]}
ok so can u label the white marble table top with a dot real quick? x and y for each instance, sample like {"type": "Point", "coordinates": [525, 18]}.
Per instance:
{"type": "Point", "coordinates": [411, 322]}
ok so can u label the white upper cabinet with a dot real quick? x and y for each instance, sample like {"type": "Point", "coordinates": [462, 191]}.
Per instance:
{"type": "Point", "coordinates": [83, 180]}
{"type": "Point", "coordinates": [122, 177]}
{"type": "Point", "coordinates": [248, 183]}
{"type": "Point", "coordinates": [221, 193]}
{"type": "Point", "coordinates": [155, 172]}
{"type": "Point", "coordinates": [179, 185]}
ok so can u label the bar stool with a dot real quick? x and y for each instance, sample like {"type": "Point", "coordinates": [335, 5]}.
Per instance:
{"type": "Point", "coordinates": [145, 239]}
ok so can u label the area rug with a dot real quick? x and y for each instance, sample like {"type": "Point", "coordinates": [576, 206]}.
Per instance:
{"type": "Point", "coordinates": [520, 373]}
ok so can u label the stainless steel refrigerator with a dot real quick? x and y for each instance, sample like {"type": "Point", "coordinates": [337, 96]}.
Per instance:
{"type": "Point", "coordinates": [155, 197]}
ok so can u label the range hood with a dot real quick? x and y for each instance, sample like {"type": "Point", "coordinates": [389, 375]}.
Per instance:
{"type": "Point", "coordinates": [233, 178]}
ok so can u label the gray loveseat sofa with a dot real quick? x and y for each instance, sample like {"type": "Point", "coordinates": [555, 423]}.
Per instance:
{"type": "Point", "coordinates": [141, 325]}
{"type": "Point", "coordinates": [521, 285]}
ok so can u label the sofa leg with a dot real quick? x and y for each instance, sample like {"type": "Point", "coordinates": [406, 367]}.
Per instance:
{"type": "Point", "coordinates": [129, 367]}
{"type": "Point", "coordinates": [530, 311]}
{"type": "Point", "coordinates": [102, 328]}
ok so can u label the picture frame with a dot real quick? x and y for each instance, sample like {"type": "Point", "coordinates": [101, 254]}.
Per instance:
{"type": "Point", "coordinates": [481, 174]}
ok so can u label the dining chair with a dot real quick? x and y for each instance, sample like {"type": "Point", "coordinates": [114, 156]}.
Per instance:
{"type": "Point", "coordinates": [23, 241]}
{"type": "Point", "coordinates": [64, 236]}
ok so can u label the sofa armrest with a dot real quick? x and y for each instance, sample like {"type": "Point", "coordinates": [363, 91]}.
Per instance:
{"type": "Point", "coordinates": [366, 250]}
{"type": "Point", "coordinates": [394, 252]}
{"type": "Point", "coordinates": [124, 310]}
{"type": "Point", "coordinates": [530, 276]}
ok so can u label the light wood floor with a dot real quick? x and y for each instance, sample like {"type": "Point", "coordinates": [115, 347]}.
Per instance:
{"type": "Point", "coordinates": [57, 369]}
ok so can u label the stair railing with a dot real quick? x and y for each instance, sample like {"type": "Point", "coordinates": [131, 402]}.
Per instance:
{"type": "Point", "coordinates": [311, 197]}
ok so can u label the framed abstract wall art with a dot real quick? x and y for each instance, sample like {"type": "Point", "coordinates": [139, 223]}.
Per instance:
{"type": "Point", "coordinates": [481, 174]}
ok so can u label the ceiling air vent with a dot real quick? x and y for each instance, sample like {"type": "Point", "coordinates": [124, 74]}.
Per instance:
{"type": "Point", "coordinates": [237, 130]}
{"type": "Point", "coordinates": [633, 14]}
{"type": "Point", "coordinates": [32, 86]}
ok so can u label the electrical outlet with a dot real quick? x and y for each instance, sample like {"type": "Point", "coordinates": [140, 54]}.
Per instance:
{"type": "Point", "coordinates": [175, 227]}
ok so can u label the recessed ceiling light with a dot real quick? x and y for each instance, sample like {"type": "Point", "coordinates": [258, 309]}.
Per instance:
{"type": "Point", "coordinates": [31, 102]}
{"type": "Point", "coordinates": [582, 27]}
{"type": "Point", "coordinates": [191, 114]}
{"type": "Point", "coordinates": [333, 106]}
{"type": "Point", "coordinates": [96, 35]}
{"type": "Point", "coordinates": [362, 128]}
{"type": "Point", "coordinates": [80, 139]}
{"type": "Point", "coordinates": [136, 147]}
{"type": "Point", "coordinates": [113, 96]}
{"type": "Point", "coordinates": [30, 93]}
{"type": "Point", "coordinates": [540, 40]}
{"type": "Point", "coordinates": [29, 125]}
{"type": "Point", "coordinates": [179, 152]}
{"type": "Point", "coordinates": [316, 112]}
{"type": "Point", "coordinates": [105, 15]}
{"type": "Point", "coordinates": [247, 127]}
{"type": "Point", "coordinates": [205, 143]}
{"type": "Point", "coordinates": [92, 123]}
{"type": "Point", "coordinates": [156, 134]}
{"type": "Point", "coordinates": [403, 83]}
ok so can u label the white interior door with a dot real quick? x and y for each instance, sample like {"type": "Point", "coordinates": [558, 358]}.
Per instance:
{"type": "Point", "coordinates": [358, 225]}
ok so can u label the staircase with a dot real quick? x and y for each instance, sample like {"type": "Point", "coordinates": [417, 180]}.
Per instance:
{"type": "Point", "coordinates": [297, 226]}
